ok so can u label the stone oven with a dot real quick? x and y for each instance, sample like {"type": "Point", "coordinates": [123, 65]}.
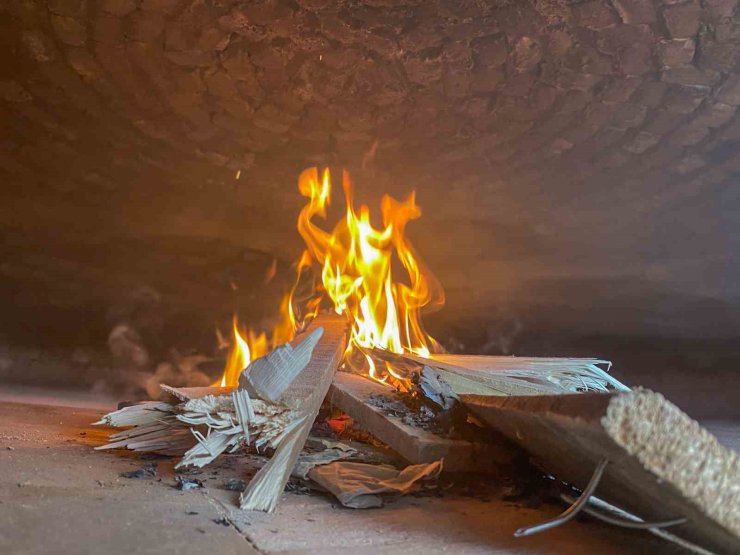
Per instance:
{"type": "Point", "coordinates": [576, 163]}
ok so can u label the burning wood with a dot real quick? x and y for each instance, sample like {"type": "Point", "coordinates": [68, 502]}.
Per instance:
{"type": "Point", "coordinates": [304, 396]}
{"type": "Point", "coordinates": [217, 423]}
{"type": "Point", "coordinates": [356, 262]}
{"type": "Point", "coordinates": [353, 393]}
{"type": "Point", "coordinates": [508, 375]}
{"type": "Point", "coordinates": [274, 402]}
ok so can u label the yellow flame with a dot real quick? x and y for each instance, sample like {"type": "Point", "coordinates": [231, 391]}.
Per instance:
{"type": "Point", "coordinates": [239, 357]}
{"type": "Point", "coordinates": [357, 265]}
{"type": "Point", "coordinates": [249, 345]}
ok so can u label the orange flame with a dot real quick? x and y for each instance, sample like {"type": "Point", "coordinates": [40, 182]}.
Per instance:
{"type": "Point", "coordinates": [240, 356]}
{"type": "Point", "coordinates": [249, 345]}
{"type": "Point", "coordinates": [357, 263]}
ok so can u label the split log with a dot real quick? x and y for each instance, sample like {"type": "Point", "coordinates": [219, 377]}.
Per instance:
{"type": "Point", "coordinates": [270, 376]}
{"type": "Point", "coordinates": [351, 394]}
{"type": "Point", "coordinates": [662, 464]}
{"type": "Point", "coordinates": [304, 395]}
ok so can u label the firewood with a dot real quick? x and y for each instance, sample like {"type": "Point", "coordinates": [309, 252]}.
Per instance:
{"type": "Point", "coordinates": [662, 464]}
{"type": "Point", "coordinates": [188, 393]}
{"type": "Point", "coordinates": [304, 396]}
{"type": "Point", "coordinates": [270, 376]}
{"type": "Point", "coordinates": [229, 420]}
{"type": "Point", "coordinates": [282, 419]}
{"type": "Point", "coordinates": [507, 375]}
{"type": "Point", "coordinates": [351, 394]}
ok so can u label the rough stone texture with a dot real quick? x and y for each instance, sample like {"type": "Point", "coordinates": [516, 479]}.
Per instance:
{"type": "Point", "coordinates": [676, 52]}
{"type": "Point", "coordinates": [52, 482]}
{"type": "Point", "coordinates": [575, 160]}
{"type": "Point", "coordinates": [61, 496]}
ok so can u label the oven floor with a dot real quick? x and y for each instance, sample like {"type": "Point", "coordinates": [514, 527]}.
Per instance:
{"type": "Point", "coordinates": [57, 495]}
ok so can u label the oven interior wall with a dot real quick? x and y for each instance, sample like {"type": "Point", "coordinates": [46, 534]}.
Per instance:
{"type": "Point", "coordinates": [575, 163]}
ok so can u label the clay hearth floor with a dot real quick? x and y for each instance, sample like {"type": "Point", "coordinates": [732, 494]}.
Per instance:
{"type": "Point", "coordinates": [57, 495]}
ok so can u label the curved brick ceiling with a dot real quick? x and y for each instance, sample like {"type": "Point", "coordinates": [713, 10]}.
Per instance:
{"type": "Point", "coordinates": [569, 153]}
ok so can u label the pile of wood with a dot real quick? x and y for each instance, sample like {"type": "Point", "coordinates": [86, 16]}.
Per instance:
{"type": "Point", "coordinates": [569, 414]}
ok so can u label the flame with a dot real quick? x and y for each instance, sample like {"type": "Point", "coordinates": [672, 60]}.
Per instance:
{"type": "Point", "coordinates": [357, 264]}
{"type": "Point", "coordinates": [357, 271]}
{"type": "Point", "coordinates": [247, 345]}
{"type": "Point", "coordinates": [240, 356]}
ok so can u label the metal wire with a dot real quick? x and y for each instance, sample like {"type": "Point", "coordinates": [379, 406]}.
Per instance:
{"type": "Point", "coordinates": [636, 524]}
{"type": "Point", "coordinates": [605, 507]}
{"type": "Point", "coordinates": [571, 511]}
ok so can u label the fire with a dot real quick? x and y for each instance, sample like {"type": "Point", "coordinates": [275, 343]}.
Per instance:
{"type": "Point", "coordinates": [357, 270]}
{"type": "Point", "coordinates": [240, 355]}
{"type": "Point", "coordinates": [358, 264]}
{"type": "Point", "coordinates": [247, 345]}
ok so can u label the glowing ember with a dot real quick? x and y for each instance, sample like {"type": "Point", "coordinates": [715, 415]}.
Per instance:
{"type": "Point", "coordinates": [358, 264]}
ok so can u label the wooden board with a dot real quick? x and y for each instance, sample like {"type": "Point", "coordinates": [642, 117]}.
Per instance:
{"type": "Point", "coordinates": [663, 465]}
{"type": "Point", "coordinates": [508, 375]}
{"type": "Point", "coordinates": [184, 394]}
{"type": "Point", "coordinates": [351, 394]}
{"type": "Point", "coordinates": [304, 395]}
{"type": "Point", "coordinates": [504, 363]}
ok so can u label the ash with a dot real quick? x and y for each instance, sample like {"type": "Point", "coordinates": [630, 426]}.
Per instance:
{"type": "Point", "coordinates": [411, 412]}
{"type": "Point", "coordinates": [430, 405]}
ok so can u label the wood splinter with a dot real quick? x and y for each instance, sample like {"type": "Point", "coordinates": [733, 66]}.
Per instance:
{"type": "Point", "coordinates": [304, 396]}
{"type": "Point", "coordinates": [288, 386]}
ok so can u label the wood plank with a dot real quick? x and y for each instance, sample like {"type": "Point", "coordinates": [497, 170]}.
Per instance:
{"type": "Point", "coordinates": [184, 394]}
{"type": "Point", "coordinates": [351, 393]}
{"type": "Point", "coordinates": [503, 363]}
{"type": "Point", "coordinates": [663, 465]}
{"type": "Point", "coordinates": [268, 377]}
{"type": "Point", "coordinates": [461, 379]}
{"type": "Point", "coordinates": [304, 395]}
{"type": "Point", "coordinates": [509, 375]}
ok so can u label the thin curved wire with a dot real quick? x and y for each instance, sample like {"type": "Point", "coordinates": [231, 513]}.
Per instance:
{"type": "Point", "coordinates": [571, 511]}
{"type": "Point", "coordinates": [603, 506]}
{"type": "Point", "coordinates": [636, 524]}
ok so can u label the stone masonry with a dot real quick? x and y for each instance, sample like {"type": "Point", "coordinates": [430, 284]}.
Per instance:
{"type": "Point", "coordinates": [548, 140]}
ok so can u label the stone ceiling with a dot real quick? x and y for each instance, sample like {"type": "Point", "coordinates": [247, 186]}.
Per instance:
{"type": "Point", "coordinates": [576, 160]}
